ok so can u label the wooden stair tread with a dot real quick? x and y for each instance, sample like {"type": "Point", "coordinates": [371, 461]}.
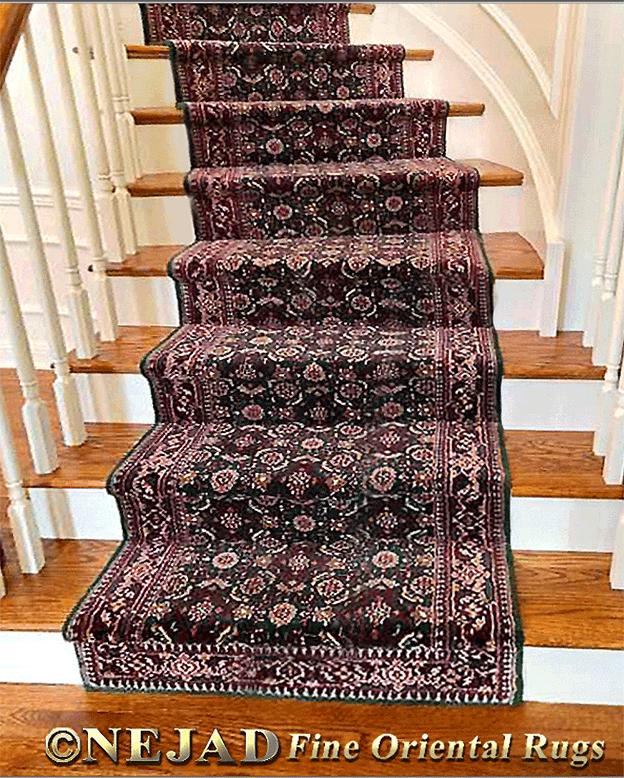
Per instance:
{"type": "Point", "coordinates": [542, 463]}
{"type": "Point", "coordinates": [362, 8]}
{"type": "Point", "coordinates": [172, 115]}
{"type": "Point", "coordinates": [29, 711]}
{"type": "Point", "coordinates": [565, 598]}
{"type": "Point", "coordinates": [511, 257]}
{"type": "Point", "coordinates": [172, 184]}
{"type": "Point", "coordinates": [140, 51]}
{"type": "Point", "coordinates": [525, 354]}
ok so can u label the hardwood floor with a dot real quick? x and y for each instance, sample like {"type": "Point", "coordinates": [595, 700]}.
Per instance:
{"type": "Point", "coordinates": [28, 713]}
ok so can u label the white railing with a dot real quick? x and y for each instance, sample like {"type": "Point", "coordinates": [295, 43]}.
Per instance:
{"type": "Point", "coordinates": [102, 96]}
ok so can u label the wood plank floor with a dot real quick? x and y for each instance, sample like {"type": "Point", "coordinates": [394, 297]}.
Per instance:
{"type": "Point", "coordinates": [170, 184]}
{"type": "Point", "coordinates": [512, 257]}
{"type": "Point", "coordinates": [565, 599]}
{"type": "Point", "coordinates": [28, 713]}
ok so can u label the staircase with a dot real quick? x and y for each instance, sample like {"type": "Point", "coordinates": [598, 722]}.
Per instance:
{"type": "Point", "coordinates": [563, 514]}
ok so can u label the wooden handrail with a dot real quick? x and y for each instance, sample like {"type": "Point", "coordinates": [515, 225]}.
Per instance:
{"type": "Point", "coordinates": [13, 17]}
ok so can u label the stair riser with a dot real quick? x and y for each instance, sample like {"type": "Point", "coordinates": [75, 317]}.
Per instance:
{"type": "Point", "coordinates": [573, 525]}
{"type": "Point", "coordinates": [528, 404]}
{"type": "Point", "coordinates": [591, 676]}
{"type": "Point", "coordinates": [143, 301]}
{"type": "Point", "coordinates": [164, 220]}
{"type": "Point", "coordinates": [165, 147]}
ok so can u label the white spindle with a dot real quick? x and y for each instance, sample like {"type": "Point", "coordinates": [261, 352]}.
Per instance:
{"type": "Point", "coordinates": [121, 100]}
{"type": "Point", "coordinates": [119, 48]}
{"type": "Point", "coordinates": [602, 438]}
{"type": "Point", "coordinates": [605, 233]}
{"type": "Point", "coordinates": [102, 67]}
{"type": "Point", "coordinates": [23, 526]}
{"type": "Point", "coordinates": [108, 205]}
{"type": "Point", "coordinates": [67, 401]}
{"type": "Point", "coordinates": [613, 471]}
{"type": "Point", "coordinates": [617, 561]}
{"type": "Point", "coordinates": [78, 300]}
{"type": "Point", "coordinates": [104, 302]}
{"type": "Point", "coordinates": [605, 311]}
{"type": "Point", "coordinates": [34, 410]}
{"type": "Point", "coordinates": [2, 586]}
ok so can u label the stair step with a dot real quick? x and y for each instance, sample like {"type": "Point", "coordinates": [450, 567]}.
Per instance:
{"type": "Point", "coordinates": [140, 51]}
{"type": "Point", "coordinates": [542, 463]}
{"type": "Point", "coordinates": [565, 598]}
{"type": "Point", "coordinates": [38, 705]}
{"type": "Point", "coordinates": [511, 256]}
{"type": "Point", "coordinates": [172, 115]}
{"type": "Point", "coordinates": [362, 8]}
{"type": "Point", "coordinates": [172, 184]}
{"type": "Point", "coordinates": [525, 354]}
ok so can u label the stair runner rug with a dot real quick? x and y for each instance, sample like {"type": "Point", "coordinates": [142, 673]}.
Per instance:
{"type": "Point", "coordinates": [321, 509]}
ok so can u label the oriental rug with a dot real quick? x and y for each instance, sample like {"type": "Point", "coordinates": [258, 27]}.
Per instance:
{"type": "Point", "coordinates": [321, 509]}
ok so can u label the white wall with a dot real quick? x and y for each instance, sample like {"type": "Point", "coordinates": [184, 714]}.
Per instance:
{"type": "Point", "coordinates": [593, 126]}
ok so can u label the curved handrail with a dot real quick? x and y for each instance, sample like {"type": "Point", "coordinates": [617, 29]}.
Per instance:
{"type": "Point", "coordinates": [13, 18]}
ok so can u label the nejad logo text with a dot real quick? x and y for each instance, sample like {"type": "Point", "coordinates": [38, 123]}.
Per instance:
{"type": "Point", "coordinates": [143, 746]}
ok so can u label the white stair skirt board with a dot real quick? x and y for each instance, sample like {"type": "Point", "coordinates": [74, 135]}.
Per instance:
{"type": "Point", "coordinates": [528, 404]}
{"type": "Point", "coordinates": [537, 523]}
{"type": "Point", "coordinates": [577, 676]}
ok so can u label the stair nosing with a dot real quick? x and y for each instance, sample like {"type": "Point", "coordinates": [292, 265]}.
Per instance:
{"type": "Point", "coordinates": [170, 115]}
{"type": "Point", "coordinates": [140, 51]}
{"type": "Point", "coordinates": [171, 183]}
{"type": "Point", "coordinates": [529, 271]}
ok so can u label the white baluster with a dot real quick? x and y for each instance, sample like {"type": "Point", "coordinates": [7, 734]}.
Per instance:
{"type": "Point", "coordinates": [613, 471]}
{"type": "Point", "coordinates": [108, 205]}
{"type": "Point", "coordinates": [23, 526]}
{"type": "Point", "coordinates": [602, 438]}
{"type": "Point", "coordinates": [121, 194]}
{"type": "Point", "coordinates": [34, 410]}
{"type": "Point", "coordinates": [104, 302]}
{"type": "Point", "coordinates": [120, 51]}
{"type": "Point", "coordinates": [121, 100]}
{"type": "Point", "coordinates": [67, 401]}
{"type": "Point", "coordinates": [2, 586]}
{"type": "Point", "coordinates": [78, 300]}
{"type": "Point", "coordinates": [617, 560]}
{"type": "Point", "coordinates": [604, 313]}
{"type": "Point", "coordinates": [605, 233]}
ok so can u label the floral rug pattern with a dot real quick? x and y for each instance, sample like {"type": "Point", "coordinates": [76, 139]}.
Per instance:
{"type": "Point", "coordinates": [321, 509]}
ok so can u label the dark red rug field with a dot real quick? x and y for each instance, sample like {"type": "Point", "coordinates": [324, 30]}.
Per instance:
{"type": "Point", "coordinates": [322, 507]}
